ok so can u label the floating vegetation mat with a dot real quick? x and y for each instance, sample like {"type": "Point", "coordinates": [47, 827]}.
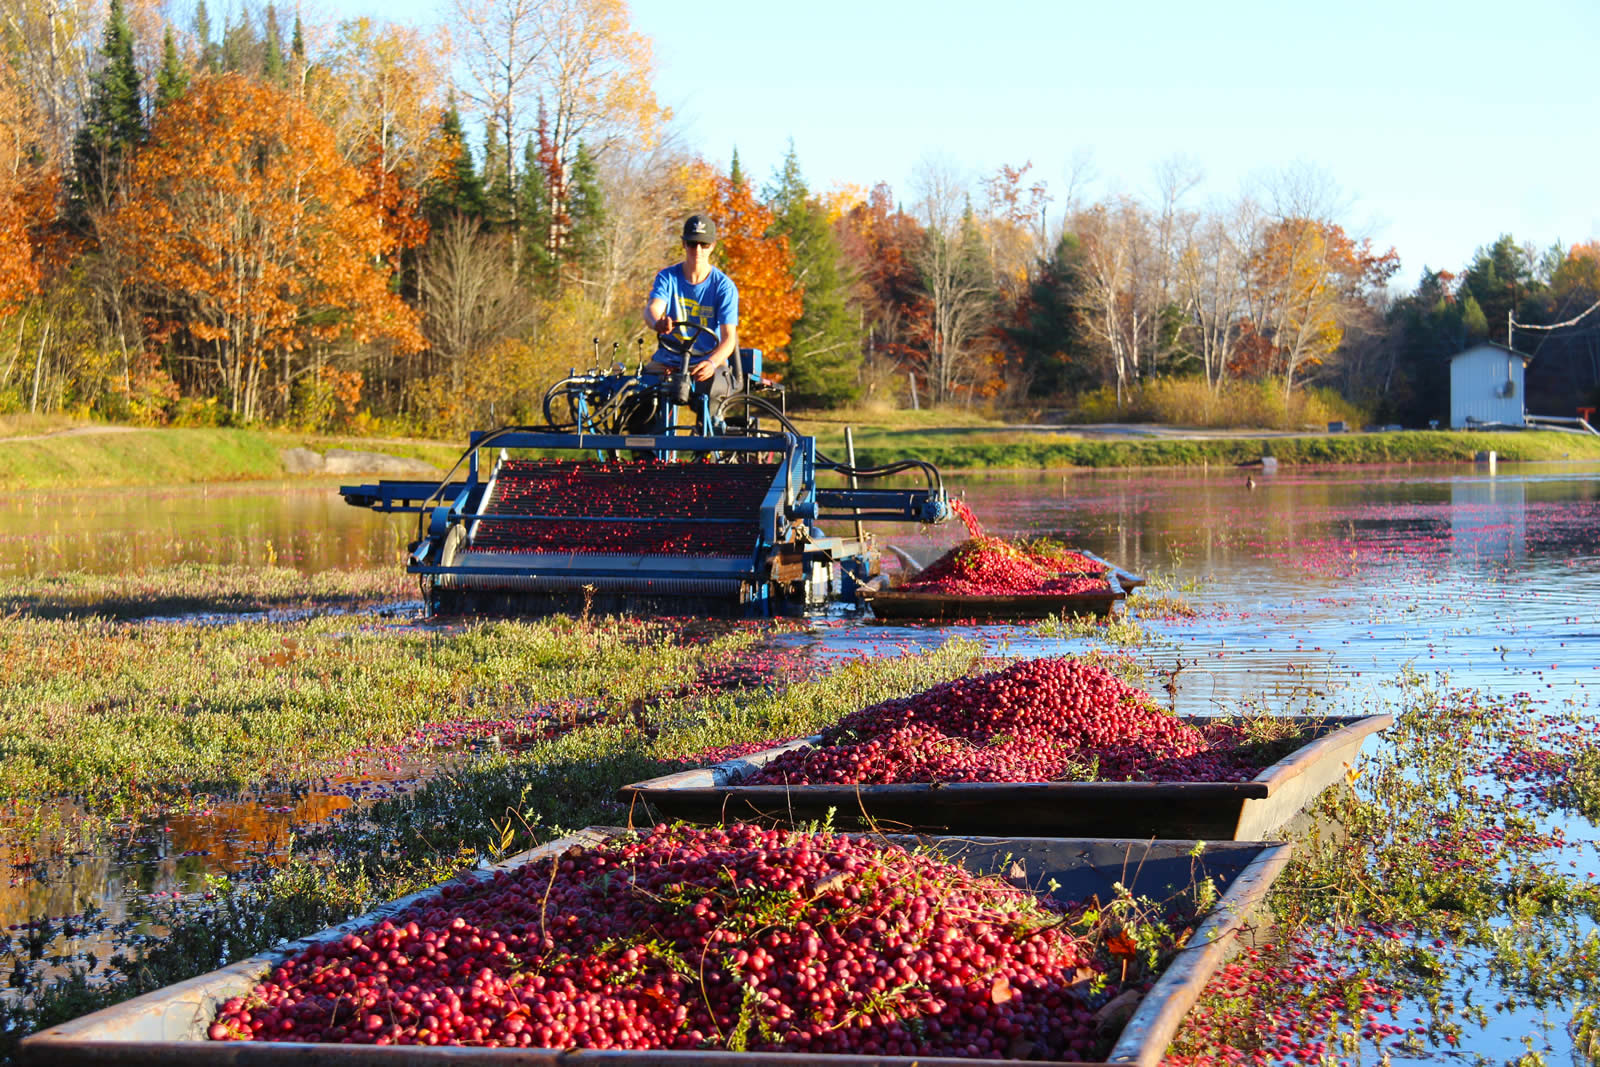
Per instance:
{"type": "Point", "coordinates": [1444, 900]}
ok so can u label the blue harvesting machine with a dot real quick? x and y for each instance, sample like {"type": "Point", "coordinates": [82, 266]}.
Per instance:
{"type": "Point", "coordinates": [612, 506]}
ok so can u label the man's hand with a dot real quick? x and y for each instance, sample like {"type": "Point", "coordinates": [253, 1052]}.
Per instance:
{"type": "Point", "coordinates": [664, 324]}
{"type": "Point", "coordinates": [703, 370]}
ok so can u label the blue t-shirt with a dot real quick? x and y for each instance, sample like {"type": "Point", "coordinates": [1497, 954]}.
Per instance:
{"type": "Point", "coordinates": [714, 303]}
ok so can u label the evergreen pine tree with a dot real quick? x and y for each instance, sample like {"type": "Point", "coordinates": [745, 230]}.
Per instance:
{"type": "Point", "coordinates": [297, 53]}
{"type": "Point", "coordinates": [825, 346]}
{"type": "Point", "coordinates": [497, 192]}
{"type": "Point", "coordinates": [461, 190]}
{"type": "Point", "coordinates": [736, 172]}
{"type": "Point", "coordinates": [272, 70]}
{"type": "Point", "coordinates": [242, 51]}
{"type": "Point", "coordinates": [173, 77]}
{"type": "Point", "coordinates": [209, 59]}
{"type": "Point", "coordinates": [113, 121]}
{"type": "Point", "coordinates": [587, 211]}
{"type": "Point", "coordinates": [533, 215]}
{"type": "Point", "coordinates": [1474, 320]}
{"type": "Point", "coordinates": [1044, 333]}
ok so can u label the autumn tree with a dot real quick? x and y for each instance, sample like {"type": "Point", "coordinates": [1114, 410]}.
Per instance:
{"type": "Point", "coordinates": [1212, 280]}
{"type": "Point", "coordinates": [645, 193]}
{"type": "Point", "coordinates": [760, 264]}
{"type": "Point", "coordinates": [50, 45]}
{"type": "Point", "coordinates": [594, 74]}
{"type": "Point", "coordinates": [253, 240]}
{"type": "Point", "coordinates": [20, 183]}
{"type": "Point", "coordinates": [825, 346]}
{"type": "Point", "coordinates": [957, 277]}
{"type": "Point", "coordinates": [1575, 282]}
{"type": "Point", "coordinates": [1306, 278]}
{"type": "Point", "coordinates": [383, 92]}
{"type": "Point", "coordinates": [468, 299]}
{"type": "Point", "coordinates": [880, 243]}
{"type": "Point", "coordinates": [1120, 310]}
{"type": "Point", "coordinates": [1014, 224]}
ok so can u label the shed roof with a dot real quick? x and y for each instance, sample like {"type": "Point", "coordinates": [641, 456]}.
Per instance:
{"type": "Point", "coordinates": [1526, 357]}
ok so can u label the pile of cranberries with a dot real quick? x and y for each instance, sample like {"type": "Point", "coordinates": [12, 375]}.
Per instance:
{"type": "Point", "coordinates": [702, 938]}
{"type": "Point", "coordinates": [618, 508]}
{"type": "Point", "coordinates": [993, 566]}
{"type": "Point", "coordinates": [1037, 720]}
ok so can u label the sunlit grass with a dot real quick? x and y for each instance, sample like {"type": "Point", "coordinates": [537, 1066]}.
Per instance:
{"type": "Point", "coordinates": [119, 714]}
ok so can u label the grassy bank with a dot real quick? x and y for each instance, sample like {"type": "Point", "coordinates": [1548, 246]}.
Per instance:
{"type": "Point", "coordinates": [969, 450]}
{"type": "Point", "coordinates": [87, 456]}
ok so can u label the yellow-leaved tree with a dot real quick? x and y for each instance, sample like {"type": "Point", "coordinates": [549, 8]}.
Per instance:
{"type": "Point", "coordinates": [254, 241]}
{"type": "Point", "coordinates": [1306, 277]}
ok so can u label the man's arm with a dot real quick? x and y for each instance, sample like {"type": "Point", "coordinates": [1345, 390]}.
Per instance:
{"type": "Point", "coordinates": [718, 356]}
{"type": "Point", "coordinates": [655, 315]}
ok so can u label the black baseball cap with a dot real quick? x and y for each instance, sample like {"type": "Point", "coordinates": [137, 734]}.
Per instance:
{"type": "Point", "coordinates": [699, 230]}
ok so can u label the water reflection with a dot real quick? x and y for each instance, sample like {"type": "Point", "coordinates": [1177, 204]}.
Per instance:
{"type": "Point", "coordinates": [1488, 520]}
{"type": "Point", "coordinates": [304, 526]}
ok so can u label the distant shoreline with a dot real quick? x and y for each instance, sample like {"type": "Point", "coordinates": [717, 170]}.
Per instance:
{"type": "Point", "coordinates": [102, 456]}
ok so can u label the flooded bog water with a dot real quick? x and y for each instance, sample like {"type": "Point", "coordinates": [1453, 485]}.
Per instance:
{"type": "Point", "coordinates": [1321, 576]}
{"type": "Point", "coordinates": [306, 526]}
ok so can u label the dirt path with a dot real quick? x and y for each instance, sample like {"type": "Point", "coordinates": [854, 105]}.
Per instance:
{"type": "Point", "coordinates": [72, 431]}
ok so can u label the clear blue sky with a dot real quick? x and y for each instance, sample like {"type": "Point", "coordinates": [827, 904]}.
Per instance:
{"type": "Point", "coordinates": [1443, 124]}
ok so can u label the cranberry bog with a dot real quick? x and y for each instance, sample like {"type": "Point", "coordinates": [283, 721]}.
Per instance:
{"type": "Point", "coordinates": [1441, 907]}
{"type": "Point", "coordinates": [1215, 889]}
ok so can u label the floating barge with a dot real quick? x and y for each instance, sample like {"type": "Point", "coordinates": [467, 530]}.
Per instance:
{"type": "Point", "coordinates": [167, 1028]}
{"type": "Point", "coordinates": [894, 604]}
{"type": "Point", "coordinates": [1209, 811]}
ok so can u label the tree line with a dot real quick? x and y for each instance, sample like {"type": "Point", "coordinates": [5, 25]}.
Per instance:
{"type": "Point", "coordinates": [360, 225]}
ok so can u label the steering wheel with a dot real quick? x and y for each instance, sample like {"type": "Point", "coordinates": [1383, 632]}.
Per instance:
{"type": "Point", "coordinates": [684, 346]}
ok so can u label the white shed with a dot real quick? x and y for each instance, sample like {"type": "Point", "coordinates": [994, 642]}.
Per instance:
{"type": "Point", "coordinates": [1486, 386]}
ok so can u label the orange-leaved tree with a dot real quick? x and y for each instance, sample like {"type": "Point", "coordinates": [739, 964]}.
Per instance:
{"type": "Point", "coordinates": [21, 183]}
{"type": "Point", "coordinates": [761, 266]}
{"type": "Point", "coordinates": [254, 240]}
{"type": "Point", "coordinates": [1577, 278]}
